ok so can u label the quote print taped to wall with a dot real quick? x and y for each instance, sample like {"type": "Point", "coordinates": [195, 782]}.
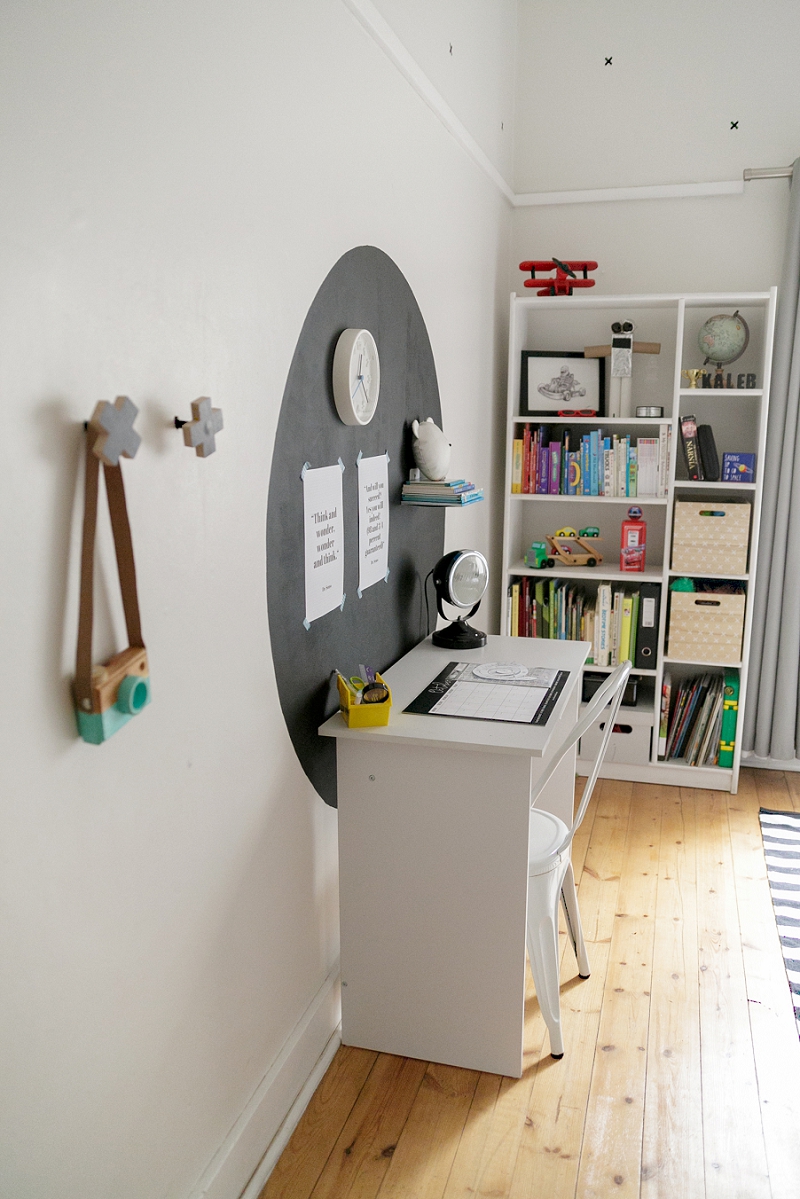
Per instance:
{"type": "Point", "coordinates": [373, 520]}
{"type": "Point", "coordinates": [324, 539]}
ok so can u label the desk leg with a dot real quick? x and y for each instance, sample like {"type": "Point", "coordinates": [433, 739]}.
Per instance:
{"type": "Point", "coordinates": [433, 853]}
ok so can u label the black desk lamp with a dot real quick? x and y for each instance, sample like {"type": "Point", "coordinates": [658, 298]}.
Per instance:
{"type": "Point", "coordinates": [460, 578]}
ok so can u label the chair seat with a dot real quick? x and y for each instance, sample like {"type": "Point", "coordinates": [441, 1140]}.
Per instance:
{"type": "Point", "coordinates": [546, 834]}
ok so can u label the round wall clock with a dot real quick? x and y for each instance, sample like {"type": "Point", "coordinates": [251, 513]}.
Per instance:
{"type": "Point", "coordinates": [356, 376]}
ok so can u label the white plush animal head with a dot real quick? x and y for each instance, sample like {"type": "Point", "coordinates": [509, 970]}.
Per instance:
{"type": "Point", "coordinates": [431, 449]}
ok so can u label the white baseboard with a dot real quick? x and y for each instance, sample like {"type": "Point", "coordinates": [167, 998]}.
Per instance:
{"type": "Point", "coordinates": [242, 1164]}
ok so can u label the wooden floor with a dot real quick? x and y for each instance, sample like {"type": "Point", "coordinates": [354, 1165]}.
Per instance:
{"type": "Point", "coordinates": [681, 1078]}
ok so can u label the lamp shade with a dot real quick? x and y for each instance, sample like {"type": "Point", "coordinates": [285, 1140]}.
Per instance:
{"type": "Point", "coordinates": [460, 578]}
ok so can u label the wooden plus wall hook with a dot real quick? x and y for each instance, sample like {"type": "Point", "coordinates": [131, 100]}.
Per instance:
{"type": "Point", "coordinates": [199, 433]}
{"type": "Point", "coordinates": [113, 431]}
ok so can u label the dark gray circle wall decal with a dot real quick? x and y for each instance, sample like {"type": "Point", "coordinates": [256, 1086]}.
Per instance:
{"type": "Point", "coordinates": [364, 290]}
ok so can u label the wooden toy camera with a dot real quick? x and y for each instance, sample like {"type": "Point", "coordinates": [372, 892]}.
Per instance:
{"type": "Point", "coordinates": [120, 689]}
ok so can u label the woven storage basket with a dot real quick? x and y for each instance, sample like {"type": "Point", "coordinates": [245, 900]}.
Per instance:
{"type": "Point", "coordinates": [706, 627]}
{"type": "Point", "coordinates": [711, 537]}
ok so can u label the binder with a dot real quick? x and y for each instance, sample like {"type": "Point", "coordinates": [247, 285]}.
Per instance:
{"type": "Point", "coordinates": [647, 626]}
{"type": "Point", "coordinates": [730, 714]}
{"type": "Point", "coordinates": [708, 452]}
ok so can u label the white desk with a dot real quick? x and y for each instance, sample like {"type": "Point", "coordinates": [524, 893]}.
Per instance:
{"type": "Point", "coordinates": [433, 864]}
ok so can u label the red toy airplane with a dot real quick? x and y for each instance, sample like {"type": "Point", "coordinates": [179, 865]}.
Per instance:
{"type": "Point", "coordinates": [565, 279]}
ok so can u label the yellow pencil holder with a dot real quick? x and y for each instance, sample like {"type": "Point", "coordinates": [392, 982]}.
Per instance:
{"type": "Point", "coordinates": [362, 716]}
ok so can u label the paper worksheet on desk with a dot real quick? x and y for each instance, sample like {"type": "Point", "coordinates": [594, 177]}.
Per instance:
{"type": "Point", "coordinates": [373, 520]}
{"type": "Point", "coordinates": [324, 540]}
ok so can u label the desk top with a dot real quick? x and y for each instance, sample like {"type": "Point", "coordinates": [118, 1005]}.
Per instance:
{"type": "Point", "coordinates": [408, 677]}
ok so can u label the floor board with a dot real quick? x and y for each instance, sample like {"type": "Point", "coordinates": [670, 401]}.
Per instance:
{"type": "Point", "coordinates": [682, 1059]}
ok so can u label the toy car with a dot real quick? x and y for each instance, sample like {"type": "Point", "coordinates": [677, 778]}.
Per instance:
{"type": "Point", "coordinates": [571, 551]}
{"type": "Point", "coordinates": [536, 556]}
{"type": "Point", "coordinates": [590, 531]}
{"type": "Point", "coordinates": [567, 531]}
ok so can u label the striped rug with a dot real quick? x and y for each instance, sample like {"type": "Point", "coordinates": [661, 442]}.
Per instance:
{"type": "Point", "coordinates": [780, 832]}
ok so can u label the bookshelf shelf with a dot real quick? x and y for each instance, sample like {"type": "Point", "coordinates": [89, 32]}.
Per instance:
{"type": "Point", "coordinates": [598, 573]}
{"type": "Point", "coordinates": [641, 500]}
{"type": "Point", "coordinates": [699, 662]}
{"type": "Point", "coordinates": [647, 674]}
{"type": "Point", "coordinates": [636, 422]}
{"type": "Point", "coordinates": [720, 393]}
{"type": "Point", "coordinates": [697, 574]}
{"type": "Point", "coordinates": [544, 323]}
{"type": "Point", "coordinates": [705, 485]}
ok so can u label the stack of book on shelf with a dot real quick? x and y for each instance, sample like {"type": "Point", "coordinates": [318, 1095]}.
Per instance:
{"type": "Point", "coordinates": [547, 461]}
{"type": "Point", "coordinates": [558, 609]}
{"type": "Point", "coordinates": [451, 493]}
{"type": "Point", "coordinates": [698, 723]}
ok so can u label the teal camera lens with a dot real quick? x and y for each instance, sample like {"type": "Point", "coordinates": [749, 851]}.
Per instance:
{"type": "Point", "coordinates": [132, 694]}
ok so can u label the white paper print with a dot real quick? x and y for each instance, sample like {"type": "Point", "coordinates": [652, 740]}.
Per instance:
{"type": "Point", "coordinates": [373, 520]}
{"type": "Point", "coordinates": [324, 540]}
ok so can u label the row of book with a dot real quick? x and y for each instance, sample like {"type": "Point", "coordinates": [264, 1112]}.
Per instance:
{"type": "Point", "coordinates": [620, 622]}
{"type": "Point", "coordinates": [454, 493]}
{"type": "Point", "coordinates": [698, 719]}
{"type": "Point", "coordinates": [546, 461]}
{"type": "Point", "coordinates": [702, 460]}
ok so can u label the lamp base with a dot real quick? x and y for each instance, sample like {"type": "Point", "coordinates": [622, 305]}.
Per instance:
{"type": "Point", "coordinates": [459, 635]}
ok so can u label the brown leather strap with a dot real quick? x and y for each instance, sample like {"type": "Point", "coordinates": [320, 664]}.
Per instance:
{"type": "Point", "coordinates": [83, 661]}
{"type": "Point", "coordinates": [123, 545]}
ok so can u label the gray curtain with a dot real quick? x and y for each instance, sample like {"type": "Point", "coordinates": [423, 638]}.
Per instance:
{"type": "Point", "coordinates": [772, 721]}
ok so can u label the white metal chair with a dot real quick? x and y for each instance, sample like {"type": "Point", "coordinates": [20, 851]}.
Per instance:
{"type": "Point", "coordinates": [550, 868]}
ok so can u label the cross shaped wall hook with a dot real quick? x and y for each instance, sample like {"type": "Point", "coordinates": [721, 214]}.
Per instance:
{"type": "Point", "coordinates": [199, 433]}
{"type": "Point", "coordinates": [115, 434]}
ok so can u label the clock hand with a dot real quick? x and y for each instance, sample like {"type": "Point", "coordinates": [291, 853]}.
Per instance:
{"type": "Point", "coordinates": [355, 389]}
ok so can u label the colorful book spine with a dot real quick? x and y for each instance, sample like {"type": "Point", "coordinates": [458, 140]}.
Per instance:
{"type": "Point", "coordinates": [666, 693]}
{"type": "Point", "coordinates": [516, 466]}
{"type": "Point", "coordinates": [691, 449]}
{"type": "Point", "coordinates": [555, 468]}
{"type": "Point", "coordinates": [730, 715]}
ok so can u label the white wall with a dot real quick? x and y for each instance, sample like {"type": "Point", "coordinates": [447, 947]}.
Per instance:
{"type": "Point", "coordinates": [177, 181]}
{"type": "Point", "coordinates": [660, 114]}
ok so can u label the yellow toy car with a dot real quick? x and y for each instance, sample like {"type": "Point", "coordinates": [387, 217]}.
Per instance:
{"type": "Point", "coordinates": [569, 549]}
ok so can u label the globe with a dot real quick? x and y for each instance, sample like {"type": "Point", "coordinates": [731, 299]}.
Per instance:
{"type": "Point", "coordinates": [723, 338]}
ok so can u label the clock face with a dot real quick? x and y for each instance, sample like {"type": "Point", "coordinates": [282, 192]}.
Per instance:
{"type": "Point", "coordinates": [356, 376]}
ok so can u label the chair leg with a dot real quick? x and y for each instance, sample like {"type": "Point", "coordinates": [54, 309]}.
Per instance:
{"type": "Point", "coordinates": [569, 898]}
{"type": "Point", "coordinates": [542, 936]}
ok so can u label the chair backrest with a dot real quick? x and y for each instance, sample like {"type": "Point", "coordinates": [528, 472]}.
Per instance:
{"type": "Point", "coordinates": [609, 695]}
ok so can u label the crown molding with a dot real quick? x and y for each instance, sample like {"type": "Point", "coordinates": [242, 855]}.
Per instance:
{"type": "Point", "coordinates": [384, 36]}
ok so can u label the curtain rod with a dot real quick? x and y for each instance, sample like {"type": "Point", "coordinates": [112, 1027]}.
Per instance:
{"type": "Point", "coordinates": [767, 173]}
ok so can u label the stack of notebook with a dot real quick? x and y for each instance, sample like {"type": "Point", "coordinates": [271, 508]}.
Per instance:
{"type": "Point", "coordinates": [452, 493]}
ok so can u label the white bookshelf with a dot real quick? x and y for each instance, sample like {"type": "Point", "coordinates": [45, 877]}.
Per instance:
{"type": "Point", "coordinates": [739, 420]}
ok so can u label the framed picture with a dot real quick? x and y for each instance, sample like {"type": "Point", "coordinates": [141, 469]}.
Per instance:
{"type": "Point", "coordinates": [554, 382]}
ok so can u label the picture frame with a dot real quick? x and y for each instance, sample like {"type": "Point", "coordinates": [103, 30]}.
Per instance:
{"type": "Point", "coordinates": [551, 370]}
